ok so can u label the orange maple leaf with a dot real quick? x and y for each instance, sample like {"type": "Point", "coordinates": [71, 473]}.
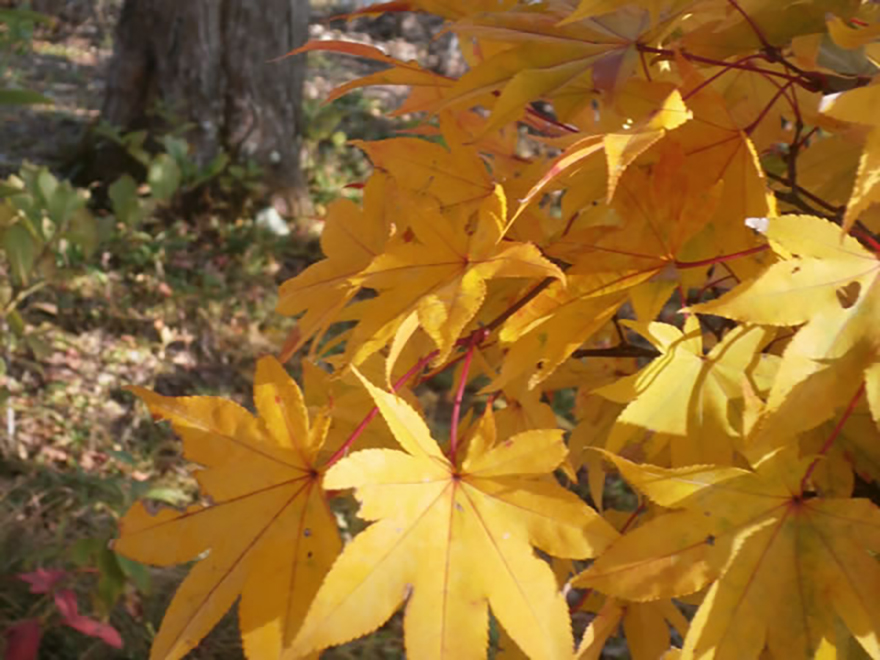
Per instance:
{"type": "Point", "coordinates": [269, 533]}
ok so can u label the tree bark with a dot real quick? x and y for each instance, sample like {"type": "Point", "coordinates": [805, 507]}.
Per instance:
{"type": "Point", "coordinates": [206, 63]}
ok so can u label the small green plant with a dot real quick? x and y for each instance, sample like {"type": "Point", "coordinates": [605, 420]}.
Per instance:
{"type": "Point", "coordinates": [45, 226]}
{"type": "Point", "coordinates": [171, 169]}
{"type": "Point", "coordinates": [16, 31]}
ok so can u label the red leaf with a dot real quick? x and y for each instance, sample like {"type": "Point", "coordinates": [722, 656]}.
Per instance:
{"type": "Point", "coordinates": [103, 631]}
{"type": "Point", "coordinates": [65, 601]}
{"type": "Point", "coordinates": [41, 580]}
{"type": "Point", "coordinates": [374, 10]}
{"type": "Point", "coordinates": [23, 640]}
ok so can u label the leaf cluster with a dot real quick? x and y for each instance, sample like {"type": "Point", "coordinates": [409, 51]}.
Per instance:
{"type": "Point", "coordinates": [687, 247]}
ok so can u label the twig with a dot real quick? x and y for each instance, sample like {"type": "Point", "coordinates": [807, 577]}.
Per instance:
{"type": "Point", "coordinates": [476, 339]}
{"type": "Point", "coordinates": [832, 437]}
{"type": "Point", "coordinates": [622, 350]}
{"type": "Point", "coordinates": [339, 453]}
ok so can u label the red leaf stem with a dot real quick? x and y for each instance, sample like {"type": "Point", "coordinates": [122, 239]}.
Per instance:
{"type": "Point", "coordinates": [833, 436]}
{"type": "Point", "coordinates": [339, 453]}
{"type": "Point", "coordinates": [720, 259]}
{"type": "Point", "coordinates": [758, 32]}
{"type": "Point", "coordinates": [476, 340]}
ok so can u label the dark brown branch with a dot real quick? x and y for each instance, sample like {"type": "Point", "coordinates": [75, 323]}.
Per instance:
{"type": "Point", "coordinates": [623, 350]}
{"type": "Point", "coordinates": [495, 323]}
{"type": "Point", "coordinates": [799, 190]}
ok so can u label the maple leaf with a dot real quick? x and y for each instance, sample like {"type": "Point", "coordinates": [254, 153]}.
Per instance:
{"type": "Point", "coordinates": [854, 106]}
{"type": "Point", "coordinates": [645, 626]}
{"type": "Point", "coordinates": [347, 403]}
{"type": "Point", "coordinates": [426, 87]}
{"type": "Point", "coordinates": [645, 621]}
{"type": "Point", "coordinates": [828, 282]}
{"type": "Point", "coordinates": [792, 562]}
{"type": "Point", "coordinates": [663, 110]}
{"type": "Point", "coordinates": [688, 393]}
{"type": "Point", "coordinates": [545, 58]}
{"type": "Point", "coordinates": [848, 37]}
{"type": "Point", "coordinates": [452, 538]}
{"type": "Point", "coordinates": [268, 534]}
{"type": "Point", "coordinates": [720, 150]}
{"type": "Point", "coordinates": [442, 274]}
{"type": "Point", "coordinates": [351, 239]}
{"type": "Point", "coordinates": [457, 177]}
{"type": "Point", "coordinates": [827, 167]}
{"type": "Point", "coordinates": [726, 32]}
{"type": "Point", "coordinates": [553, 326]}
{"type": "Point", "coordinates": [660, 208]}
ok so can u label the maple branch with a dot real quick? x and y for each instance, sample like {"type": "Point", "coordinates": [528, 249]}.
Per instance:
{"type": "Point", "coordinates": [800, 190]}
{"type": "Point", "coordinates": [668, 53]}
{"type": "Point", "coordinates": [645, 69]}
{"type": "Point", "coordinates": [809, 134]}
{"type": "Point", "coordinates": [791, 197]}
{"type": "Point", "coordinates": [833, 436]}
{"type": "Point", "coordinates": [495, 323]}
{"type": "Point", "coordinates": [622, 350]}
{"type": "Point", "coordinates": [717, 75]}
{"type": "Point", "coordinates": [859, 230]}
{"type": "Point", "coordinates": [812, 81]}
{"type": "Point", "coordinates": [476, 339]}
{"type": "Point", "coordinates": [343, 449]}
{"type": "Point", "coordinates": [710, 285]}
{"type": "Point", "coordinates": [793, 151]}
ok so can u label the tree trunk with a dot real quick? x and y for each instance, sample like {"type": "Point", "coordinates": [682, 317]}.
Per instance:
{"type": "Point", "coordinates": [206, 62]}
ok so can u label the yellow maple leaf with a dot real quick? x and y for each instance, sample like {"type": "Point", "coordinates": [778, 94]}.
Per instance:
{"type": "Point", "coordinates": [426, 87]}
{"type": "Point", "coordinates": [720, 150]}
{"type": "Point", "coordinates": [659, 208]}
{"type": "Point", "coordinates": [452, 538]}
{"type": "Point", "coordinates": [792, 563]}
{"type": "Point", "coordinates": [542, 57]}
{"type": "Point", "coordinates": [268, 533]}
{"type": "Point", "coordinates": [830, 283]}
{"type": "Point", "coordinates": [686, 392]}
{"type": "Point", "coordinates": [645, 620]}
{"type": "Point", "coordinates": [440, 270]}
{"type": "Point", "coordinates": [351, 239]}
{"type": "Point", "coordinates": [545, 333]}
{"type": "Point", "coordinates": [659, 109]}
{"type": "Point", "coordinates": [457, 177]}
{"type": "Point", "coordinates": [851, 38]}
{"type": "Point", "coordinates": [645, 625]}
{"type": "Point", "coordinates": [726, 32]}
{"type": "Point", "coordinates": [856, 106]}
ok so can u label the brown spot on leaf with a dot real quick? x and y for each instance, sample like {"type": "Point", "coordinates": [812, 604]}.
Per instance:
{"type": "Point", "coordinates": [848, 295]}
